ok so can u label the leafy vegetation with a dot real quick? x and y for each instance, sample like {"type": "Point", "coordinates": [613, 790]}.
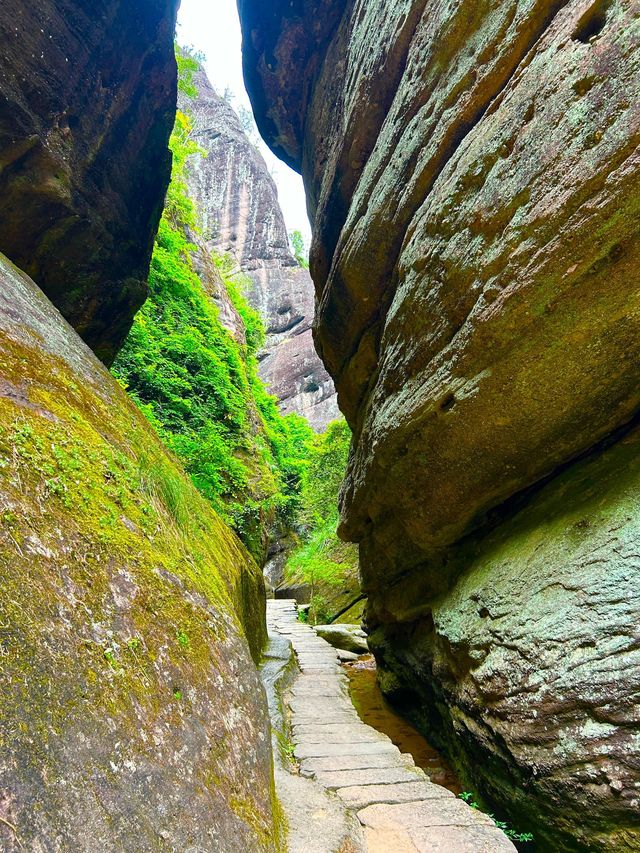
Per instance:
{"type": "Point", "coordinates": [300, 251]}
{"type": "Point", "coordinates": [518, 837]}
{"type": "Point", "coordinates": [198, 384]}
{"type": "Point", "coordinates": [328, 565]}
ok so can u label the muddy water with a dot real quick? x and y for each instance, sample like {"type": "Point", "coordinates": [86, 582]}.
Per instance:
{"type": "Point", "coordinates": [374, 710]}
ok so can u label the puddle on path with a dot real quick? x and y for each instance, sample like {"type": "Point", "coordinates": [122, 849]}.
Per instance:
{"type": "Point", "coordinates": [376, 712]}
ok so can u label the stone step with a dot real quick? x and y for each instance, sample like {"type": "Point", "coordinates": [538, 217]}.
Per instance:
{"type": "Point", "coordinates": [320, 707]}
{"type": "Point", "coordinates": [353, 733]}
{"type": "Point", "coordinates": [398, 808]}
{"type": "Point", "coordinates": [372, 776]}
{"type": "Point", "coordinates": [347, 761]}
{"type": "Point", "coordinates": [360, 796]}
{"type": "Point", "coordinates": [323, 750]}
{"type": "Point", "coordinates": [431, 811]}
{"type": "Point", "coordinates": [337, 716]}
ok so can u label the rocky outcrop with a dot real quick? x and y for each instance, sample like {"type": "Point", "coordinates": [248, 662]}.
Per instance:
{"type": "Point", "coordinates": [87, 102]}
{"type": "Point", "coordinates": [241, 216]}
{"type": "Point", "coordinates": [132, 716]}
{"type": "Point", "coordinates": [529, 663]}
{"type": "Point", "coordinates": [473, 174]}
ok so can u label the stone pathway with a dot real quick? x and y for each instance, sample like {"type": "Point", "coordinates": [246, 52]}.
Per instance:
{"type": "Point", "coordinates": [398, 808]}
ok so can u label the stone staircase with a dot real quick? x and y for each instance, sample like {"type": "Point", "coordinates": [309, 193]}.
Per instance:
{"type": "Point", "coordinates": [397, 807]}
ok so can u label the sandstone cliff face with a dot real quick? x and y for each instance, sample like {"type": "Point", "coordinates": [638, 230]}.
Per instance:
{"type": "Point", "coordinates": [132, 716]}
{"type": "Point", "coordinates": [529, 663]}
{"type": "Point", "coordinates": [241, 216]}
{"type": "Point", "coordinates": [87, 101]}
{"type": "Point", "coordinates": [474, 177]}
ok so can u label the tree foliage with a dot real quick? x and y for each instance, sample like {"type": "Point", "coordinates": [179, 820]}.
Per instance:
{"type": "Point", "coordinates": [198, 385]}
{"type": "Point", "coordinates": [300, 251]}
{"type": "Point", "coordinates": [327, 565]}
{"type": "Point", "coordinates": [322, 477]}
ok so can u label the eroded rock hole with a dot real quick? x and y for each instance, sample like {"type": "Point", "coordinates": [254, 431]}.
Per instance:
{"type": "Point", "coordinates": [531, 111]}
{"type": "Point", "coordinates": [592, 22]}
{"type": "Point", "coordinates": [448, 403]}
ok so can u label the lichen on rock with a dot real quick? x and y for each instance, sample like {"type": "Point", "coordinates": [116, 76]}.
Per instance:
{"type": "Point", "coordinates": [529, 664]}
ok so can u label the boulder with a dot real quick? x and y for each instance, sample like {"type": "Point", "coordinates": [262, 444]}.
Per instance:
{"type": "Point", "coordinates": [87, 103]}
{"type": "Point", "coordinates": [346, 657]}
{"type": "Point", "coordinates": [300, 592]}
{"type": "Point", "coordinates": [132, 715]}
{"type": "Point", "coordinates": [350, 638]}
{"type": "Point", "coordinates": [473, 175]}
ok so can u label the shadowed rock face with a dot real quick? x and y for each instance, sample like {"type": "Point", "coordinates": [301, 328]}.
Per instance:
{"type": "Point", "coordinates": [87, 101]}
{"type": "Point", "coordinates": [473, 173]}
{"type": "Point", "coordinates": [132, 716]}
{"type": "Point", "coordinates": [238, 201]}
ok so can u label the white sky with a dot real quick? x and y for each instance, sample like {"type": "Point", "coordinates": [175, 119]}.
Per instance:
{"type": "Point", "coordinates": [214, 29]}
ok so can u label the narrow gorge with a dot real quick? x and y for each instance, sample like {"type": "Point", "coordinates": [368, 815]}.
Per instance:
{"type": "Point", "coordinates": [429, 438]}
{"type": "Point", "coordinates": [241, 216]}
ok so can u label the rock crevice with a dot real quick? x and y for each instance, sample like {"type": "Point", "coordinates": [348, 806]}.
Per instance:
{"type": "Point", "coordinates": [473, 173]}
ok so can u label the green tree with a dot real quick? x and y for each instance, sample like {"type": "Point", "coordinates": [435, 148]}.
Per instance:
{"type": "Point", "coordinates": [300, 251]}
{"type": "Point", "coordinates": [328, 566]}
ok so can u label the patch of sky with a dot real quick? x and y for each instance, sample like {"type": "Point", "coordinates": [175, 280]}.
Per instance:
{"type": "Point", "coordinates": [214, 30]}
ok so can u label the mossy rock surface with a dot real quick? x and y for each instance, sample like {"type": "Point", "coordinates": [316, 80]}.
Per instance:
{"type": "Point", "coordinates": [132, 716]}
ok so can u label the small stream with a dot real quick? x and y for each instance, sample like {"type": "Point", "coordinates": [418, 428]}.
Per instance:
{"type": "Point", "coordinates": [376, 712]}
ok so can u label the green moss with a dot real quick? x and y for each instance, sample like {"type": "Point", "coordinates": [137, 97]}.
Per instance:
{"type": "Point", "coordinates": [121, 587]}
{"type": "Point", "coordinates": [245, 808]}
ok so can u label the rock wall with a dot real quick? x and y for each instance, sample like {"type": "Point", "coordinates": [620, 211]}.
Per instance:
{"type": "Point", "coordinates": [473, 174]}
{"type": "Point", "coordinates": [241, 216]}
{"type": "Point", "coordinates": [87, 102]}
{"type": "Point", "coordinates": [528, 663]}
{"type": "Point", "coordinates": [132, 715]}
